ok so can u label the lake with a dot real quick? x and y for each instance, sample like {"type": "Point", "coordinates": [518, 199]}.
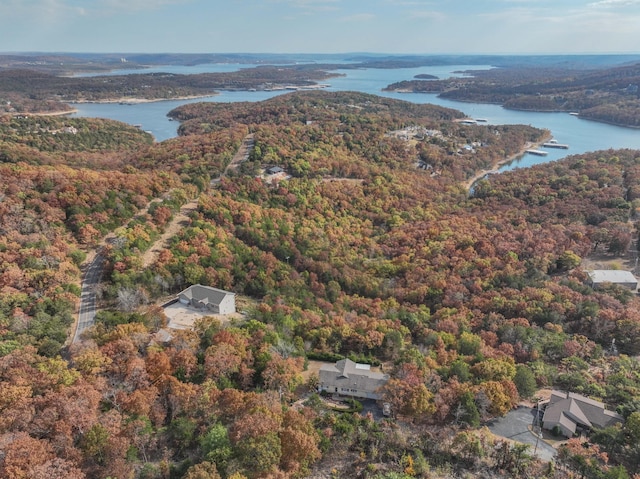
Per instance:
{"type": "Point", "coordinates": [581, 135]}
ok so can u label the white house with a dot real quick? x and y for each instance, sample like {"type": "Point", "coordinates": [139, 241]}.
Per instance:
{"type": "Point", "coordinates": [599, 277]}
{"type": "Point", "coordinates": [348, 378]}
{"type": "Point", "coordinates": [217, 301]}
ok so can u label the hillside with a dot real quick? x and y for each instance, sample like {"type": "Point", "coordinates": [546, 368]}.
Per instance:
{"type": "Point", "coordinates": [27, 91]}
{"type": "Point", "coordinates": [606, 94]}
{"type": "Point", "coordinates": [371, 248]}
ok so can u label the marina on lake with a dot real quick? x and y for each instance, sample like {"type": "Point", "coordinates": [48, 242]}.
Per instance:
{"type": "Point", "coordinates": [566, 128]}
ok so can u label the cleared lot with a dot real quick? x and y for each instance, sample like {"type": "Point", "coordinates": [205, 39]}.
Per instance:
{"type": "Point", "coordinates": [183, 317]}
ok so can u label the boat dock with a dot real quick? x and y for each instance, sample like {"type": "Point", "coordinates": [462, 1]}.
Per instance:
{"type": "Point", "coordinates": [537, 152]}
{"type": "Point", "coordinates": [554, 144]}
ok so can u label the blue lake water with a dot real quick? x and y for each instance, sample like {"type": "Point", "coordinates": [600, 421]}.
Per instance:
{"type": "Point", "coordinates": [176, 69]}
{"type": "Point", "coordinates": [581, 135]}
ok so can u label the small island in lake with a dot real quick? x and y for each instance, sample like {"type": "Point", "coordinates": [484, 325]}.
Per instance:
{"type": "Point", "coordinates": [607, 93]}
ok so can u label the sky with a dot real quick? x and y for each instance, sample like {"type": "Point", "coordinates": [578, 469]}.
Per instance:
{"type": "Point", "coordinates": [321, 26]}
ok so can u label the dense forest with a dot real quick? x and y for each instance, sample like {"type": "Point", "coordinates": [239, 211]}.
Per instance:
{"type": "Point", "coordinates": [27, 91]}
{"type": "Point", "coordinates": [372, 249]}
{"type": "Point", "coordinates": [607, 94]}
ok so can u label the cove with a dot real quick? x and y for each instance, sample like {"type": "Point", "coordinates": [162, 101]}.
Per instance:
{"type": "Point", "coordinates": [581, 135]}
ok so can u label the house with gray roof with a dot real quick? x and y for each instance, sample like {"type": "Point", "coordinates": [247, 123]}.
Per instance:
{"type": "Point", "coordinates": [348, 378]}
{"type": "Point", "coordinates": [570, 411]}
{"type": "Point", "coordinates": [600, 277]}
{"type": "Point", "coordinates": [274, 170]}
{"type": "Point", "coordinates": [213, 300]}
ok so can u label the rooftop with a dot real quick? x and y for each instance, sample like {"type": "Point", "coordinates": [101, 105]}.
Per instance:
{"type": "Point", "coordinates": [611, 276]}
{"type": "Point", "coordinates": [206, 293]}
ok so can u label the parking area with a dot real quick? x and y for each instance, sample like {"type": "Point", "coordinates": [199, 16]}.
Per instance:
{"type": "Point", "coordinates": [516, 427]}
{"type": "Point", "coordinates": [181, 316]}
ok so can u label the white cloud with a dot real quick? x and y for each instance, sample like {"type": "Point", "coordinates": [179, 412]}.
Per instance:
{"type": "Point", "coordinates": [51, 11]}
{"type": "Point", "coordinates": [305, 6]}
{"type": "Point", "coordinates": [41, 12]}
{"type": "Point", "coordinates": [408, 3]}
{"type": "Point", "coordinates": [308, 4]}
{"type": "Point", "coordinates": [429, 14]}
{"type": "Point", "coordinates": [514, 14]}
{"type": "Point", "coordinates": [358, 17]}
{"type": "Point", "coordinates": [615, 3]}
{"type": "Point", "coordinates": [135, 5]}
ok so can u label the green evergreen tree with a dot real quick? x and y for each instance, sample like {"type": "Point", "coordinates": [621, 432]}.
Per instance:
{"type": "Point", "coordinates": [467, 411]}
{"type": "Point", "coordinates": [525, 381]}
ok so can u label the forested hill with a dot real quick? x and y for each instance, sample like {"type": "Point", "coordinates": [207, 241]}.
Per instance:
{"type": "Point", "coordinates": [358, 127]}
{"type": "Point", "coordinates": [309, 106]}
{"type": "Point", "coordinates": [366, 246]}
{"type": "Point", "coordinates": [29, 91]}
{"type": "Point", "coordinates": [608, 94]}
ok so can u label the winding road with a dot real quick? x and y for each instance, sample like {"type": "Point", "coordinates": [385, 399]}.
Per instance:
{"type": "Point", "coordinates": [87, 309]}
{"type": "Point", "coordinates": [93, 273]}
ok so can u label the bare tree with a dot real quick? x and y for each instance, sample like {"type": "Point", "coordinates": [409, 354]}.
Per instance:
{"type": "Point", "coordinates": [129, 299]}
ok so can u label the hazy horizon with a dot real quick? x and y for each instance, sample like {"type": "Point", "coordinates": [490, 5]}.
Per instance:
{"type": "Point", "coordinates": [328, 54]}
{"type": "Point", "coordinates": [464, 27]}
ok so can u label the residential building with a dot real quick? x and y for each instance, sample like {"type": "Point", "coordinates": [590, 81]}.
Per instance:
{"type": "Point", "coordinates": [599, 277]}
{"type": "Point", "coordinates": [216, 301]}
{"type": "Point", "coordinates": [571, 412]}
{"type": "Point", "coordinates": [348, 378]}
{"type": "Point", "coordinates": [274, 170]}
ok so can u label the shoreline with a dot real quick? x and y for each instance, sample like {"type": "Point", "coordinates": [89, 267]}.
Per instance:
{"type": "Point", "coordinates": [125, 101]}
{"type": "Point", "coordinates": [495, 166]}
{"type": "Point", "coordinates": [526, 110]}
{"type": "Point", "coordinates": [45, 113]}
{"type": "Point", "coordinates": [136, 101]}
{"type": "Point", "coordinates": [612, 123]}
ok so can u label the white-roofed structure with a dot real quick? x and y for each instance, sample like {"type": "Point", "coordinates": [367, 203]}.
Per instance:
{"type": "Point", "coordinates": [599, 277]}
{"type": "Point", "coordinates": [349, 378]}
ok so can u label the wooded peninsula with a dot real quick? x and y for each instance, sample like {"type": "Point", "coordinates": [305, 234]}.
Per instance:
{"type": "Point", "coordinates": [610, 95]}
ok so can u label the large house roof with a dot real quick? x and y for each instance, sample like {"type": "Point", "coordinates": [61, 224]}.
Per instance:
{"type": "Point", "coordinates": [350, 368]}
{"type": "Point", "coordinates": [205, 294]}
{"type": "Point", "coordinates": [568, 413]}
{"type": "Point", "coordinates": [571, 409]}
{"type": "Point", "coordinates": [612, 276]}
{"type": "Point", "coordinates": [351, 375]}
{"type": "Point", "coordinates": [272, 170]}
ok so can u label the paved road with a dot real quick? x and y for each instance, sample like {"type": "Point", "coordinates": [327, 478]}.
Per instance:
{"type": "Point", "coordinates": [93, 273]}
{"type": "Point", "coordinates": [241, 155]}
{"type": "Point", "coordinates": [90, 280]}
{"type": "Point", "coordinates": [515, 426]}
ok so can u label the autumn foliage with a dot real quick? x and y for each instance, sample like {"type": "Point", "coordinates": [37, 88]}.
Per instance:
{"type": "Point", "coordinates": [372, 249]}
